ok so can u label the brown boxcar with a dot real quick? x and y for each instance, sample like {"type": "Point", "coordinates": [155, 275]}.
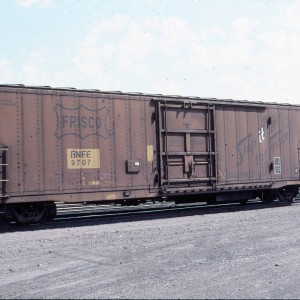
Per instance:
{"type": "Point", "coordinates": [60, 144]}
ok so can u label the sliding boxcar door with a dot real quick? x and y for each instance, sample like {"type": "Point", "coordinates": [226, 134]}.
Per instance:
{"type": "Point", "coordinates": [186, 138]}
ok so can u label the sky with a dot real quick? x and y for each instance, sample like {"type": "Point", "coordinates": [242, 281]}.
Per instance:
{"type": "Point", "coordinates": [236, 49]}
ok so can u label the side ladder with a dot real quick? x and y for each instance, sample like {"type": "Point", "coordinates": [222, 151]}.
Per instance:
{"type": "Point", "coordinates": [4, 172]}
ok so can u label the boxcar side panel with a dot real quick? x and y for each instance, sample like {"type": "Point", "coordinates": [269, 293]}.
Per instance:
{"type": "Point", "coordinates": [66, 142]}
{"type": "Point", "coordinates": [283, 140]}
{"type": "Point", "coordinates": [70, 145]}
{"type": "Point", "coordinates": [257, 145]}
{"type": "Point", "coordinates": [294, 140]}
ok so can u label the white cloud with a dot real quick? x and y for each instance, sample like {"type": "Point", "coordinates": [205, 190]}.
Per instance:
{"type": "Point", "coordinates": [219, 31]}
{"type": "Point", "coordinates": [108, 51]}
{"type": "Point", "coordinates": [175, 36]}
{"type": "Point", "coordinates": [243, 60]}
{"type": "Point", "coordinates": [32, 3]}
{"type": "Point", "coordinates": [131, 46]}
{"type": "Point", "coordinates": [282, 41]}
{"type": "Point", "coordinates": [135, 46]}
{"type": "Point", "coordinates": [34, 69]}
{"type": "Point", "coordinates": [230, 54]}
{"type": "Point", "coordinates": [243, 26]}
{"type": "Point", "coordinates": [104, 29]}
{"type": "Point", "coordinates": [113, 45]}
{"type": "Point", "coordinates": [166, 86]}
{"type": "Point", "coordinates": [290, 16]}
{"type": "Point", "coordinates": [166, 55]}
{"type": "Point", "coordinates": [89, 61]}
{"type": "Point", "coordinates": [6, 71]}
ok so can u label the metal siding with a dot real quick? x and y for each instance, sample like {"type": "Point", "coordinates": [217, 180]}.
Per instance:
{"type": "Point", "coordinates": [42, 126]}
{"type": "Point", "coordinates": [294, 150]}
{"type": "Point", "coordinates": [32, 144]}
{"type": "Point", "coordinates": [39, 143]}
{"type": "Point", "coordinates": [241, 158]}
{"type": "Point", "coordinates": [264, 145]}
{"type": "Point", "coordinates": [244, 146]}
{"type": "Point", "coordinates": [10, 135]}
{"type": "Point", "coordinates": [255, 169]}
{"type": "Point", "coordinates": [221, 145]}
{"type": "Point", "coordinates": [247, 149]}
{"type": "Point", "coordinates": [230, 131]}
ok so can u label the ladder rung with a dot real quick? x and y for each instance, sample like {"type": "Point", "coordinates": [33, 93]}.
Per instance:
{"type": "Point", "coordinates": [191, 153]}
{"type": "Point", "coordinates": [4, 163]}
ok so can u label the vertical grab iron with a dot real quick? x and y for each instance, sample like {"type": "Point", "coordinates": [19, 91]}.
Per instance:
{"type": "Point", "coordinates": [4, 172]}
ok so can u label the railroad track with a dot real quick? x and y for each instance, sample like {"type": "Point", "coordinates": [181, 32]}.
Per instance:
{"type": "Point", "coordinates": [81, 215]}
{"type": "Point", "coordinates": [76, 212]}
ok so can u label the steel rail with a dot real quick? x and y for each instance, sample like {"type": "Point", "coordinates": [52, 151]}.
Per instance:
{"type": "Point", "coordinates": [77, 213]}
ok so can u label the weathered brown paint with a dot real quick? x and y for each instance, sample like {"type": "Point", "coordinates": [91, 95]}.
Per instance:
{"type": "Point", "coordinates": [77, 146]}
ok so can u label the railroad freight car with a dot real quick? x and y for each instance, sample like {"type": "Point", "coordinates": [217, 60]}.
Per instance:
{"type": "Point", "coordinates": [81, 146]}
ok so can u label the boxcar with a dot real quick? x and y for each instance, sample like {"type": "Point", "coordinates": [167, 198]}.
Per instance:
{"type": "Point", "coordinates": [68, 145]}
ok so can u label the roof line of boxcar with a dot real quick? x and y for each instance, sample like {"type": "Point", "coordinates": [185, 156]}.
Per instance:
{"type": "Point", "coordinates": [158, 97]}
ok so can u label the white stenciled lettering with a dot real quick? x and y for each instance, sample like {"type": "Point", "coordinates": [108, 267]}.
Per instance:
{"type": "Point", "coordinates": [261, 135]}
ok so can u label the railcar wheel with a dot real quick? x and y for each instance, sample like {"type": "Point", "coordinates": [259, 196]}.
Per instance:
{"type": "Point", "coordinates": [287, 195]}
{"type": "Point", "coordinates": [50, 213]}
{"type": "Point", "coordinates": [28, 213]}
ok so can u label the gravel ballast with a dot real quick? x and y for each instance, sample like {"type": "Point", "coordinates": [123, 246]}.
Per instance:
{"type": "Point", "coordinates": [241, 254]}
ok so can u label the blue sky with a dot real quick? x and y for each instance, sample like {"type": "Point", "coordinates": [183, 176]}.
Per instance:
{"type": "Point", "coordinates": [226, 49]}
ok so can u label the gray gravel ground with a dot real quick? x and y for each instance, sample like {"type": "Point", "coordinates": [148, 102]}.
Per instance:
{"type": "Point", "coordinates": [244, 254]}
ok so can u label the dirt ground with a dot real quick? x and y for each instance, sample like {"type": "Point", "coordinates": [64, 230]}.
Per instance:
{"type": "Point", "coordinates": [242, 254]}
